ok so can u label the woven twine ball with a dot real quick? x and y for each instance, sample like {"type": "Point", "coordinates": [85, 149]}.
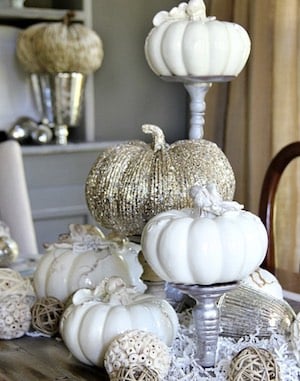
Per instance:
{"type": "Point", "coordinates": [253, 364]}
{"type": "Point", "coordinates": [46, 313]}
{"type": "Point", "coordinates": [12, 283]}
{"type": "Point", "coordinates": [137, 372]}
{"type": "Point", "coordinates": [137, 355]}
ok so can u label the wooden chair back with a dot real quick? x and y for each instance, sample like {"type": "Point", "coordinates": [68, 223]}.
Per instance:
{"type": "Point", "coordinates": [267, 198]}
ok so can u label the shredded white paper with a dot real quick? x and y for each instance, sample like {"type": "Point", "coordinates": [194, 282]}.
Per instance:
{"type": "Point", "coordinates": [185, 367]}
{"type": "Point", "coordinates": [184, 362]}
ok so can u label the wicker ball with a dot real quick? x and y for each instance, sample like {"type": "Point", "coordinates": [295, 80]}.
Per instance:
{"type": "Point", "coordinates": [137, 355]}
{"type": "Point", "coordinates": [12, 283]}
{"type": "Point", "coordinates": [46, 314]}
{"type": "Point", "coordinates": [15, 316]}
{"type": "Point", "coordinates": [138, 373]}
{"type": "Point", "coordinates": [252, 364]}
{"type": "Point", "coordinates": [134, 181]}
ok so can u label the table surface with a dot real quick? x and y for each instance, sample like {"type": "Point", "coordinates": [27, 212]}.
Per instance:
{"type": "Point", "coordinates": [48, 359]}
{"type": "Point", "coordinates": [43, 359]}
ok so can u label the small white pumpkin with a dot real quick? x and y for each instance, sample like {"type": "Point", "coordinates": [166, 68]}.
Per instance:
{"type": "Point", "coordinates": [184, 42]}
{"type": "Point", "coordinates": [98, 316]}
{"type": "Point", "coordinates": [216, 242]}
{"type": "Point", "coordinates": [264, 281]}
{"type": "Point", "coordinates": [82, 259]}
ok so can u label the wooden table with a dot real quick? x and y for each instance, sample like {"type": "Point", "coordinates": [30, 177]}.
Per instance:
{"type": "Point", "coordinates": [48, 359]}
{"type": "Point", "coordinates": [43, 359]}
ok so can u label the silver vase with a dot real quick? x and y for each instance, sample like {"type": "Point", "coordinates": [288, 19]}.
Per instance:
{"type": "Point", "coordinates": [59, 98]}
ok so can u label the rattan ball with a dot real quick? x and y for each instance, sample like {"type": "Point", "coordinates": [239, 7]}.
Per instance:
{"type": "Point", "coordinates": [139, 373]}
{"type": "Point", "coordinates": [252, 364]}
{"type": "Point", "coordinates": [137, 355]}
{"type": "Point", "coordinates": [46, 313]}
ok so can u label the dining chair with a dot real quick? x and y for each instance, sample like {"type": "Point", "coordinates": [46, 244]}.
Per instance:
{"type": "Point", "coordinates": [15, 208]}
{"type": "Point", "coordinates": [267, 197]}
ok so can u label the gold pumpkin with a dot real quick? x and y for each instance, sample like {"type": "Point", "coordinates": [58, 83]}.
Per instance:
{"type": "Point", "coordinates": [56, 47]}
{"type": "Point", "coordinates": [134, 181]}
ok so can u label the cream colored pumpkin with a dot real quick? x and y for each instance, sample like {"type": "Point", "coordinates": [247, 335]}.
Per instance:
{"type": "Point", "coordinates": [132, 182]}
{"type": "Point", "coordinates": [184, 42]}
{"type": "Point", "coordinates": [216, 242]}
{"type": "Point", "coordinates": [96, 317]}
{"type": "Point", "coordinates": [83, 259]}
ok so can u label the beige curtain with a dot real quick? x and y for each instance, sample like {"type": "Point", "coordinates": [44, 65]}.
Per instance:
{"type": "Point", "coordinates": [258, 113]}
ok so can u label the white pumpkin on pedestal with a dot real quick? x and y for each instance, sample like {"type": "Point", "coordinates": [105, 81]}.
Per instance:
{"type": "Point", "coordinates": [185, 42]}
{"type": "Point", "coordinates": [214, 242]}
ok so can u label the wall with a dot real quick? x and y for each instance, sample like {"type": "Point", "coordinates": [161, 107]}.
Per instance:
{"type": "Point", "coordinates": [127, 93]}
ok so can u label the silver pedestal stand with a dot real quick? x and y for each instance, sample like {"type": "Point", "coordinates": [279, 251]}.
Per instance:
{"type": "Point", "coordinates": [206, 317]}
{"type": "Point", "coordinates": [197, 88]}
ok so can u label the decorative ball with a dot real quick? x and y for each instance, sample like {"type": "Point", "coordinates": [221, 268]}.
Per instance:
{"type": "Point", "coordinates": [9, 249]}
{"type": "Point", "coordinates": [252, 364]}
{"type": "Point", "coordinates": [12, 283]}
{"type": "Point", "coordinates": [16, 299]}
{"type": "Point", "coordinates": [46, 314]}
{"type": "Point", "coordinates": [132, 182]}
{"type": "Point", "coordinates": [15, 317]}
{"type": "Point", "coordinates": [184, 42]}
{"type": "Point", "coordinates": [137, 355]}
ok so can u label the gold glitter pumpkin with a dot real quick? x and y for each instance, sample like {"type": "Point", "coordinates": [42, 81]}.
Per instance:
{"type": "Point", "coordinates": [134, 181]}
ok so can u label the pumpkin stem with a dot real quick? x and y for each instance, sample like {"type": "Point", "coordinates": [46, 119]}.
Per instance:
{"type": "Point", "coordinates": [68, 18]}
{"type": "Point", "coordinates": [208, 201]}
{"type": "Point", "coordinates": [196, 10]}
{"type": "Point", "coordinates": [158, 136]}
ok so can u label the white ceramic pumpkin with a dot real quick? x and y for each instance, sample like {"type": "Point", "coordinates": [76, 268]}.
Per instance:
{"type": "Point", "coordinates": [264, 281]}
{"type": "Point", "coordinates": [184, 42]}
{"type": "Point", "coordinates": [82, 259]}
{"type": "Point", "coordinates": [216, 242]}
{"type": "Point", "coordinates": [96, 317]}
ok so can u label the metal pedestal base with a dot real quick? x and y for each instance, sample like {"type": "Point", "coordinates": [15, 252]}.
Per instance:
{"type": "Point", "coordinates": [206, 317]}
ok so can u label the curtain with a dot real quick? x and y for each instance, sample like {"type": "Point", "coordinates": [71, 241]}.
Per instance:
{"type": "Point", "coordinates": [252, 117]}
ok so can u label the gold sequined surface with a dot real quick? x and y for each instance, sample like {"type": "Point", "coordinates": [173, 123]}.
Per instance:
{"type": "Point", "coordinates": [132, 182]}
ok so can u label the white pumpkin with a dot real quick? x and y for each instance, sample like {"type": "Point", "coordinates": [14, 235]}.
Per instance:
{"type": "Point", "coordinates": [82, 259]}
{"type": "Point", "coordinates": [264, 281]}
{"type": "Point", "coordinates": [216, 242]}
{"type": "Point", "coordinates": [184, 42]}
{"type": "Point", "coordinates": [96, 317]}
